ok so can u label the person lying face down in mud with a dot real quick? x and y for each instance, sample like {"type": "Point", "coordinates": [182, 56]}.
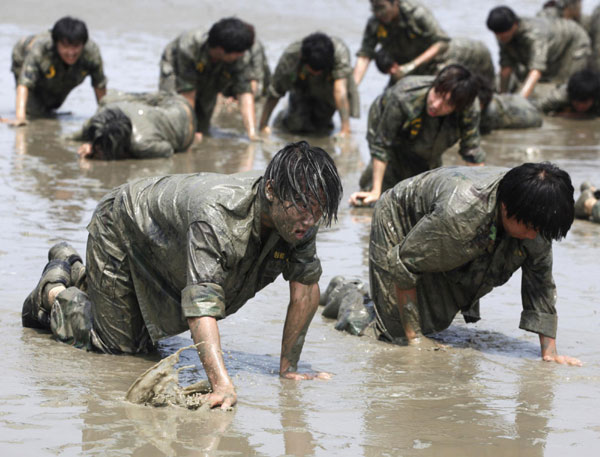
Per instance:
{"type": "Point", "coordinates": [442, 240]}
{"type": "Point", "coordinates": [178, 252]}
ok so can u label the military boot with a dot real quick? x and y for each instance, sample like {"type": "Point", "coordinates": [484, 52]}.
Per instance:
{"type": "Point", "coordinates": [67, 253]}
{"type": "Point", "coordinates": [580, 212]}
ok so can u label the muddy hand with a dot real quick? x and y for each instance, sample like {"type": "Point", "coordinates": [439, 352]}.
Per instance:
{"type": "Point", "coordinates": [563, 360]}
{"type": "Point", "coordinates": [226, 398]}
{"type": "Point", "coordinates": [422, 342]}
{"type": "Point", "coordinates": [306, 376]}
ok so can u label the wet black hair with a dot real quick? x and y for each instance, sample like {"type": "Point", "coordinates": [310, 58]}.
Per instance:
{"type": "Point", "coordinates": [71, 30]}
{"type": "Point", "coordinates": [301, 173]}
{"type": "Point", "coordinates": [501, 19]}
{"type": "Point", "coordinates": [540, 195]}
{"type": "Point", "coordinates": [460, 83]}
{"type": "Point", "coordinates": [109, 131]}
{"type": "Point", "coordinates": [317, 52]}
{"type": "Point", "coordinates": [232, 34]}
{"type": "Point", "coordinates": [384, 61]}
{"type": "Point", "coordinates": [583, 85]}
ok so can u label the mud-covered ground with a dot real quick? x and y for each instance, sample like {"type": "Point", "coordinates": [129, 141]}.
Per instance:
{"type": "Point", "coordinates": [488, 394]}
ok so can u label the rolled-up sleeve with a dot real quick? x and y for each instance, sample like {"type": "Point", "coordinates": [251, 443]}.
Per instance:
{"type": "Point", "coordinates": [385, 120]}
{"type": "Point", "coordinates": [284, 74]}
{"type": "Point", "coordinates": [304, 266]}
{"type": "Point", "coordinates": [96, 67]}
{"type": "Point", "coordinates": [470, 140]}
{"type": "Point", "coordinates": [369, 40]}
{"type": "Point", "coordinates": [538, 291]}
{"type": "Point", "coordinates": [207, 257]}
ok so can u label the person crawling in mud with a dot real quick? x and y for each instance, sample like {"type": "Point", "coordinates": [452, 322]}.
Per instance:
{"type": "Point", "coordinates": [171, 253]}
{"type": "Point", "coordinates": [138, 126]}
{"type": "Point", "coordinates": [442, 240]}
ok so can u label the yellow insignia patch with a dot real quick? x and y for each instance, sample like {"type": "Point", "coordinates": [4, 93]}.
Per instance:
{"type": "Point", "coordinates": [279, 255]}
{"type": "Point", "coordinates": [200, 66]}
{"type": "Point", "coordinates": [416, 126]}
{"type": "Point", "coordinates": [381, 32]}
{"type": "Point", "coordinates": [412, 36]}
{"type": "Point", "coordinates": [83, 72]}
{"type": "Point", "coordinates": [51, 72]}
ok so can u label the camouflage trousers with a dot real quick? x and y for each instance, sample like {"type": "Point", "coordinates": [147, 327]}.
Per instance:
{"type": "Point", "coordinates": [438, 300]}
{"type": "Point", "coordinates": [107, 317]}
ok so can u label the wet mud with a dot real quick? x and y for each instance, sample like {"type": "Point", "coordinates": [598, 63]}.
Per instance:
{"type": "Point", "coordinates": [487, 394]}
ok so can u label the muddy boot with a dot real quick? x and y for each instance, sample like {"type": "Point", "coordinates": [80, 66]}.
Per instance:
{"type": "Point", "coordinates": [335, 296]}
{"type": "Point", "coordinates": [71, 319]}
{"type": "Point", "coordinates": [36, 309]}
{"type": "Point", "coordinates": [580, 212]}
{"type": "Point", "coordinates": [356, 311]}
{"type": "Point", "coordinates": [596, 212]}
{"type": "Point", "coordinates": [586, 185]}
{"type": "Point", "coordinates": [67, 253]}
{"type": "Point", "coordinates": [334, 284]}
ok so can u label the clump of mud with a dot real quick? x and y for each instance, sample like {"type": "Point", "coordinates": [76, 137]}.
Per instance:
{"type": "Point", "coordinates": [159, 386]}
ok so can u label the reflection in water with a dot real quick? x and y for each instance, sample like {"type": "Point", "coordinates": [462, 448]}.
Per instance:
{"type": "Point", "coordinates": [298, 439]}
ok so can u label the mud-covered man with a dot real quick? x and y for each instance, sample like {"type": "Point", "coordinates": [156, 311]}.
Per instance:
{"type": "Point", "coordinates": [138, 126]}
{"type": "Point", "coordinates": [442, 240]}
{"type": "Point", "coordinates": [413, 122]}
{"type": "Point", "coordinates": [199, 66]}
{"type": "Point", "coordinates": [178, 252]}
{"type": "Point", "coordinates": [48, 66]}
{"type": "Point", "coordinates": [317, 74]}
{"type": "Point", "coordinates": [578, 99]}
{"type": "Point", "coordinates": [537, 49]}
{"type": "Point", "coordinates": [408, 31]}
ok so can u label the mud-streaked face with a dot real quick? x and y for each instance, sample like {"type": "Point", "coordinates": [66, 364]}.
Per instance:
{"type": "Point", "coordinates": [69, 52]}
{"type": "Point", "coordinates": [439, 104]}
{"type": "Point", "coordinates": [515, 228]}
{"type": "Point", "coordinates": [582, 106]}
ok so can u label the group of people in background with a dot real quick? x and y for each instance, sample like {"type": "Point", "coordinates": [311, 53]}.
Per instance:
{"type": "Point", "coordinates": [440, 239]}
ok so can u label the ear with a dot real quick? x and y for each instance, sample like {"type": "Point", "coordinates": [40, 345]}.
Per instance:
{"type": "Point", "coordinates": [269, 191]}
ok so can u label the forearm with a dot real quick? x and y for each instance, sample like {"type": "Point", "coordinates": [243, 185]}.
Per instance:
{"type": "Point", "coordinates": [340, 94]}
{"type": "Point", "coordinates": [505, 73]}
{"type": "Point", "coordinates": [248, 116]}
{"type": "Point", "coordinates": [360, 68]}
{"type": "Point", "coordinates": [532, 78]}
{"type": "Point", "coordinates": [190, 96]}
{"type": "Point", "coordinates": [268, 108]}
{"type": "Point", "coordinates": [21, 103]}
{"type": "Point", "coordinates": [100, 92]}
{"type": "Point", "coordinates": [428, 54]}
{"type": "Point", "coordinates": [409, 313]}
{"type": "Point", "coordinates": [304, 301]}
{"type": "Point", "coordinates": [379, 167]}
{"type": "Point", "coordinates": [205, 333]}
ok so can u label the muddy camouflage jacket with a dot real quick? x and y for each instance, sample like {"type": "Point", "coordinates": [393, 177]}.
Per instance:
{"type": "Point", "coordinates": [509, 111]}
{"type": "Point", "coordinates": [450, 220]}
{"type": "Point", "coordinates": [541, 44]}
{"type": "Point", "coordinates": [45, 74]}
{"type": "Point", "coordinates": [399, 126]}
{"type": "Point", "coordinates": [194, 70]}
{"type": "Point", "coordinates": [162, 123]}
{"type": "Point", "coordinates": [194, 248]}
{"type": "Point", "coordinates": [415, 30]}
{"type": "Point", "coordinates": [557, 101]}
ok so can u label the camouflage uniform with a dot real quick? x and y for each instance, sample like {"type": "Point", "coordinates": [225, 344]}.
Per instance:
{"type": "Point", "coordinates": [402, 134]}
{"type": "Point", "coordinates": [186, 66]}
{"type": "Point", "coordinates": [558, 101]}
{"type": "Point", "coordinates": [162, 123]}
{"type": "Point", "coordinates": [557, 48]}
{"type": "Point", "coordinates": [311, 103]}
{"type": "Point", "coordinates": [256, 59]}
{"type": "Point", "coordinates": [37, 66]}
{"type": "Point", "coordinates": [415, 30]}
{"type": "Point", "coordinates": [594, 31]}
{"type": "Point", "coordinates": [509, 111]}
{"type": "Point", "coordinates": [471, 54]}
{"type": "Point", "coordinates": [163, 249]}
{"type": "Point", "coordinates": [439, 232]}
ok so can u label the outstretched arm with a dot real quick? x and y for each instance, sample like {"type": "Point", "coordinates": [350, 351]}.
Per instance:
{"type": "Point", "coordinates": [549, 353]}
{"type": "Point", "coordinates": [304, 301]}
{"type": "Point", "coordinates": [340, 94]}
{"type": "Point", "coordinates": [205, 333]}
{"type": "Point", "coordinates": [21, 107]}
{"type": "Point", "coordinates": [532, 78]}
{"type": "Point", "coordinates": [248, 116]}
{"type": "Point", "coordinates": [371, 196]}
{"type": "Point", "coordinates": [360, 68]}
{"type": "Point", "coordinates": [268, 108]}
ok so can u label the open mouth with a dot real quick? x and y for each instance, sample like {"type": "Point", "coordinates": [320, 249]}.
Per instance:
{"type": "Point", "coordinates": [299, 233]}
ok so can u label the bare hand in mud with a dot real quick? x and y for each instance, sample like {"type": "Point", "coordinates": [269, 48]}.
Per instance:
{"type": "Point", "coordinates": [342, 136]}
{"type": "Point", "coordinates": [306, 376]}
{"type": "Point", "coordinates": [85, 150]}
{"type": "Point", "coordinates": [363, 198]}
{"type": "Point", "coordinates": [563, 360]}
{"type": "Point", "coordinates": [226, 398]}
{"type": "Point", "coordinates": [198, 137]}
{"type": "Point", "coordinates": [422, 342]}
{"type": "Point", "coordinates": [13, 122]}
{"type": "Point", "coordinates": [266, 130]}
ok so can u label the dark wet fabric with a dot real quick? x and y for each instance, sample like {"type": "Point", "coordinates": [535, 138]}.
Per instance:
{"type": "Point", "coordinates": [557, 101]}
{"type": "Point", "coordinates": [472, 54]}
{"type": "Point", "coordinates": [162, 123]}
{"type": "Point", "coordinates": [439, 232]}
{"type": "Point", "coordinates": [415, 30]}
{"type": "Point", "coordinates": [311, 104]}
{"type": "Point", "coordinates": [556, 47]}
{"type": "Point", "coordinates": [402, 134]}
{"type": "Point", "coordinates": [509, 111]}
{"type": "Point", "coordinates": [594, 32]}
{"type": "Point", "coordinates": [186, 66]}
{"type": "Point", "coordinates": [348, 302]}
{"type": "Point", "coordinates": [37, 65]}
{"type": "Point", "coordinates": [259, 71]}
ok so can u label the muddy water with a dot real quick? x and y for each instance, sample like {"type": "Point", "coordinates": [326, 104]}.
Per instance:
{"type": "Point", "coordinates": [486, 395]}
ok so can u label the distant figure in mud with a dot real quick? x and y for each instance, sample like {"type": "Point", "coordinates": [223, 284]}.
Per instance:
{"type": "Point", "coordinates": [48, 66]}
{"type": "Point", "coordinates": [199, 66]}
{"type": "Point", "coordinates": [578, 99]}
{"type": "Point", "coordinates": [178, 252]}
{"type": "Point", "coordinates": [444, 239]}
{"type": "Point", "coordinates": [413, 122]}
{"type": "Point", "coordinates": [163, 122]}
{"type": "Point", "coordinates": [587, 205]}
{"type": "Point", "coordinates": [316, 72]}
{"type": "Point", "coordinates": [537, 49]}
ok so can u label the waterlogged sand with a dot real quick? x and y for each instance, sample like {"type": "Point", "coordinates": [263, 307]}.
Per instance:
{"type": "Point", "coordinates": [487, 394]}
